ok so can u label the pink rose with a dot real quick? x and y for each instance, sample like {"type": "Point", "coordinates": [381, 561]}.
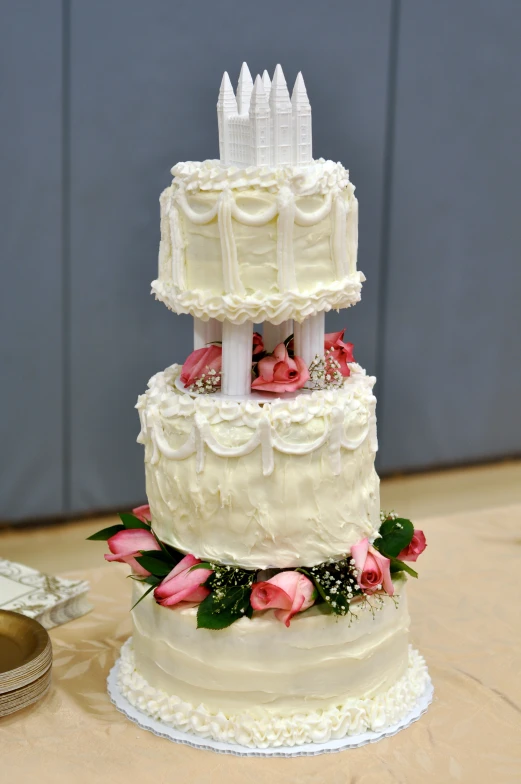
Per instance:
{"type": "Point", "coordinates": [182, 584]}
{"type": "Point", "coordinates": [200, 362]}
{"type": "Point", "coordinates": [142, 513]}
{"type": "Point", "coordinates": [374, 572]}
{"type": "Point", "coordinates": [280, 373]}
{"type": "Point", "coordinates": [287, 593]}
{"type": "Point", "coordinates": [415, 548]}
{"type": "Point", "coordinates": [125, 545]}
{"type": "Point", "coordinates": [340, 351]}
{"type": "Point", "coordinates": [258, 344]}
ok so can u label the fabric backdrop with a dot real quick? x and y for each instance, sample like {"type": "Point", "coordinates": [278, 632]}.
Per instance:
{"type": "Point", "coordinates": [99, 99]}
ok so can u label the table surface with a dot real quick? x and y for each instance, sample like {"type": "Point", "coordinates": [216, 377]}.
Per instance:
{"type": "Point", "coordinates": [466, 620]}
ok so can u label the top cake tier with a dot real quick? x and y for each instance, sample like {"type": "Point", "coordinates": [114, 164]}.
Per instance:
{"type": "Point", "coordinates": [266, 233]}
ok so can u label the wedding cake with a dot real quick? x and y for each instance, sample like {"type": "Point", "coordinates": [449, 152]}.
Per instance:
{"type": "Point", "coordinates": [269, 589]}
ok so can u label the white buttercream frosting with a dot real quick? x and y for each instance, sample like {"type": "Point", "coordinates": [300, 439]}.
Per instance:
{"type": "Point", "coordinates": [261, 484]}
{"type": "Point", "coordinates": [317, 177]}
{"type": "Point", "coordinates": [261, 684]}
{"type": "Point", "coordinates": [261, 243]}
{"type": "Point", "coordinates": [276, 308]}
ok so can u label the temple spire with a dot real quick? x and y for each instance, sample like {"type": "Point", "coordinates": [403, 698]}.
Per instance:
{"type": "Point", "coordinates": [282, 120]}
{"type": "Point", "coordinates": [279, 95]}
{"type": "Point", "coordinates": [302, 143]}
{"type": "Point", "coordinates": [244, 90]}
{"type": "Point", "coordinates": [299, 96]}
{"type": "Point", "coordinates": [258, 102]}
{"type": "Point", "coordinates": [226, 99]}
{"type": "Point", "coordinates": [266, 83]}
{"type": "Point", "coordinates": [260, 125]}
{"type": "Point", "coordinates": [226, 107]}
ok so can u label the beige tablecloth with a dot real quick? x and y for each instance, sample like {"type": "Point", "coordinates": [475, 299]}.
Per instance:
{"type": "Point", "coordinates": [466, 620]}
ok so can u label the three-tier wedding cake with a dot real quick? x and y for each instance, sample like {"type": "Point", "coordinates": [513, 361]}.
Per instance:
{"type": "Point", "coordinates": [269, 590]}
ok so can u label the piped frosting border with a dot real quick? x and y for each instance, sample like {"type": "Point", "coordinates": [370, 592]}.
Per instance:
{"type": "Point", "coordinates": [318, 177]}
{"type": "Point", "coordinates": [251, 307]}
{"type": "Point", "coordinates": [351, 718]}
{"type": "Point", "coordinates": [348, 412]}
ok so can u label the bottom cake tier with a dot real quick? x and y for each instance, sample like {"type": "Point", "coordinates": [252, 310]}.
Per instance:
{"type": "Point", "coordinates": [258, 683]}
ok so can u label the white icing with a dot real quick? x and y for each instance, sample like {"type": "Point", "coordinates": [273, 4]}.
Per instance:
{"type": "Point", "coordinates": [263, 419]}
{"type": "Point", "coordinates": [261, 483]}
{"type": "Point", "coordinates": [317, 662]}
{"type": "Point", "coordinates": [317, 177]}
{"type": "Point", "coordinates": [276, 308]}
{"type": "Point", "coordinates": [267, 726]}
{"type": "Point", "coordinates": [261, 243]}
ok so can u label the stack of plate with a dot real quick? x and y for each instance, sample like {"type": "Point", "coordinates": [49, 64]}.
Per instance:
{"type": "Point", "coordinates": [25, 661]}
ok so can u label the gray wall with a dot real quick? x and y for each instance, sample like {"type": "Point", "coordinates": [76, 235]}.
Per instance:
{"type": "Point", "coordinates": [101, 98]}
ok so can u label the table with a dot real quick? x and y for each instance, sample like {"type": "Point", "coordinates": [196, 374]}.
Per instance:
{"type": "Point", "coordinates": [466, 620]}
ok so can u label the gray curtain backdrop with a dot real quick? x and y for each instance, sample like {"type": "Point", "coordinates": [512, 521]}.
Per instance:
{"type": "Point", "coordinates": [100, 98]}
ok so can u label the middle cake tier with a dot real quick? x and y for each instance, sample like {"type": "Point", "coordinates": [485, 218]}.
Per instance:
{"type": "Point", "coordinates": [261, 484]}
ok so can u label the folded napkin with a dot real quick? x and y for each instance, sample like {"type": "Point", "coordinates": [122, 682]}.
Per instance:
{"type": "Point", "coordinates": [50, 600]}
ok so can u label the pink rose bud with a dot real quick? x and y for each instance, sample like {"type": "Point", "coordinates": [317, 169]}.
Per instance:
{"type": "Point", "coordinates": [374, 573]}
{"type": "Point", "coordinates": [126, 545]}
{"type": "Point", "coordinates": [142, 513]}
{"type": "Point", "coordinates": [183, 584]}
{"type": "Point", "coordinates": [200, 362]}
{"type": "Point", "coordinates": [416, 547]}
{"type": "Point", "coordinates": [258, 344]}
{"type": "Point", "coordinates": [287, 593]}
{"type": "Point", "coordinates": [279, 373]}
{"type": "Point", "coordinates": [340, 351]}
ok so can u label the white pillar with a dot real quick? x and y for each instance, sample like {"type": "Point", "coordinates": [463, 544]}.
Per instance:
{"type": "Point", "coordinates": [273, 334]}
{"type": "Point", "coordinates": [206, 332]}
{"type": "Point", "coordinates": [236, 363]}
{"type": "Point", "coordinates": [309, 337]}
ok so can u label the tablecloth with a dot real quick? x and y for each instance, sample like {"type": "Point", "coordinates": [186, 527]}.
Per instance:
{"type": "Point", "coordinates": [466, 620]}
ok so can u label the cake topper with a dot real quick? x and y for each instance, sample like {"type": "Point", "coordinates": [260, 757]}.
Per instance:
{"type": "Point", "coordinates": [262, 125]}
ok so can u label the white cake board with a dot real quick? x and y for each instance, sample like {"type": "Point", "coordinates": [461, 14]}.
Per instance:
{"type": "Point", "coordinates": [146, 722]}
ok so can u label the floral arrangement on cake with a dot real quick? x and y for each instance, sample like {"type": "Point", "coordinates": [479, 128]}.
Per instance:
{"type": "Point", "coordinates": [279, 371]}
{"type": "Point", "coordinates": [226, 593]}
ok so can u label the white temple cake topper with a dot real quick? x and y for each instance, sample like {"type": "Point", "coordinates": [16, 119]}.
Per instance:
{"type": "Point", "coordinates": [262, 125]}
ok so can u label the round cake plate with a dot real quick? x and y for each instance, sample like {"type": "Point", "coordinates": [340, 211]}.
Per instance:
{"type": "Point", "coordinates": [146, 722]}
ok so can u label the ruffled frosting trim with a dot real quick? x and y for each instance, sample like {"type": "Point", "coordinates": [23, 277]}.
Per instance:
{"type": "Point", "coordinates": [274, 308]}
{"type": "Point", "coordinates": [266, 728]}
{"type": "Point", "coordinates": [355, 394]}
{"type": "Point", "coordinates": [210, 175]}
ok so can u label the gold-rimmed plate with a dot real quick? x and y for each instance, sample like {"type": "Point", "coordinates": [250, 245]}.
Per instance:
{"type": "Point", "coordinates": [25, 650]}
{"type": "Point", "coordinates": [22, 698]}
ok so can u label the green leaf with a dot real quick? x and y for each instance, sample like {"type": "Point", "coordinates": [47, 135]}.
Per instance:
{"type": "Point", "coordinates": [400, 566]}
{"type": "Point", "coordinates": [152, 580]}
{"type": "Point", "coordinates": [341, 602]}
{"type": "Point", "coordinates": [174, 554]}
{"type": "Point", "coordinates": [396, 535]}
{"type": "Point", "coordinates": [175, 557]}
{"type": "Point", "coordinates": [142, 597]}
{"type": "Point", "coordinates": [221, 609]}
{"type": "Point", "coordinates": [131, 521]}
{"type": "Point", "coordinates": [203, 565]}
{"type": "Point", "coordinates": [154, 565]}
{"type": "Point", "coordinates": [160, 555]}
{"type": "Point", "coordinates": [106, 533]}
